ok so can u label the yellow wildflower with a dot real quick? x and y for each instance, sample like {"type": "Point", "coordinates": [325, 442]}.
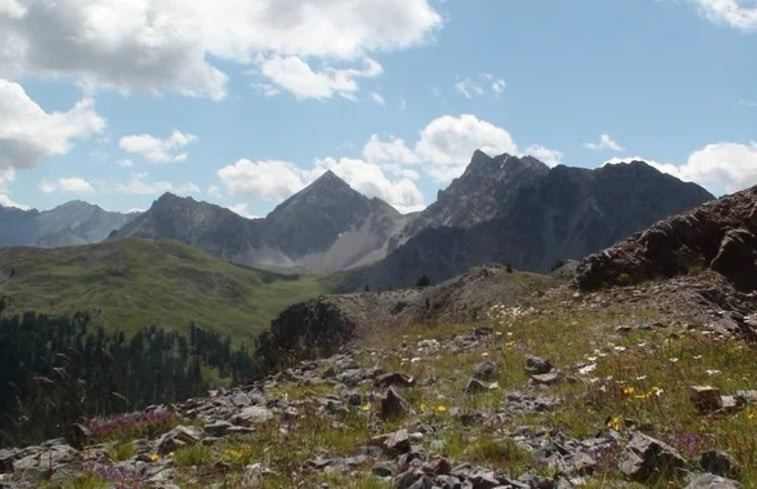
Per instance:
{"type": "Point", "coordinates": [154, 457]}
{"type": "Point", "coordinates": [441, 408]}
{"type": "Point", "coordinates": [628, 390]}
{"type": "Point", "coordinates": [510, 344]}
{"type": "Point", "coordinates": [615, 423]}
{"type": "Point", "coordinates": [423, 407]}
{"type": "Point", "coordinates": [170, 454]}
{"type": "Point", "coordinates": [366, 407]}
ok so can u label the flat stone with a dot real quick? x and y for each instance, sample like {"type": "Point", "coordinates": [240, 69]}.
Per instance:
{"type": "Point", "coordinates": [712, 481]}
{"type": "Point", "coordinates": [546, 379]}
{"type": "Point", "coordinates": [253, 415]}
{"type": "Point", "coordinates": [393, 443]}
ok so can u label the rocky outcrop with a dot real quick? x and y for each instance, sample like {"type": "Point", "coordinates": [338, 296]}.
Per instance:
{"type": "Point", "coordinates": [720, 235]}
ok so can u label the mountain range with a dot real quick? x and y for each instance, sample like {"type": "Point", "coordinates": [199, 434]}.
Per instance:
{"type": "Point", "coordinates": [73, 223]}
{"type": "Point", "coordinates": [503, 209]}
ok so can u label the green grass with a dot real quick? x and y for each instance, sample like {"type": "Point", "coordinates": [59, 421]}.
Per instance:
{"type": "Point", "coordinates": [131, 283]}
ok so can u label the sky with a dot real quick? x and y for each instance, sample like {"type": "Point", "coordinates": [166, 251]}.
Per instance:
{"type": "Point", "coordinates": [243, 103]}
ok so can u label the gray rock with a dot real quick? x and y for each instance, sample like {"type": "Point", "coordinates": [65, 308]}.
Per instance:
{"type": "Point", "coordinates": [486, 370]}
{"type": "Point", "coordinates": [393, 443]}
{"type": "Point", "coordinates": [546, 379]}
{"type": "Point", "coordinates": [720, 463]}
{"type": "Point", "coordinates": [646, 457]}
{"type": "Point", "coordinates": [394, 378]}
{"type": "Point", "coordinates": [484, 479]}
{"type": "Point", "coordinates": [178, 437]}
{"type": "Point", "coordinates": [712, 481]}
{"type": "Point", "coordinates": [217, 428]}
{"type": "Point", "coordinates": [475, 386]}
{"type": "Point", "coordinates": [253, 415]}
{"type": "Point", "coordinates": [536, 365]}
{"type": "Point", "coordinates": [392, 405]}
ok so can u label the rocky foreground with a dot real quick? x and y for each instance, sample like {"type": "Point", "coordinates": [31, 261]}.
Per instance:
{"type": "Point", "coordinates": [650, 385]}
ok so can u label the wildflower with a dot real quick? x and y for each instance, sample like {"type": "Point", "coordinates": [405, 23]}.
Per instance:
{"type": "Point", "coordinates": [628, 390]}
{"type": "Point", "coordinates": [673, 359]}
{"type": "Point", "coordinates": [712, 371]}
{"type": "Point", "coordinates": [366, 407]}
{"type": "Point", "coordinates": [510, 344]}
{"type": "Point", "coordinates": [697, 357]}
{"type": "Point", "coordinates": [587, 368]}
{"type": "Point", "coordinates": [170, 454]}
{"type": "Point", "coordinates": [616, 423]}
{"type": "Point", "coordinates": [641, 377]}
{"type": "Point", "coordinates": [441, 408]}
{"type": "Point", "coordinates": [620, 349]}
{"type": "Point", "coordinates": [424, 407]}
{"type": "Point", "coordinates": [154, 457]}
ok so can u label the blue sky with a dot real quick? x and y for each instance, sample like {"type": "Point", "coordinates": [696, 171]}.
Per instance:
{"type": "Point", "coordinates": [115, 102]}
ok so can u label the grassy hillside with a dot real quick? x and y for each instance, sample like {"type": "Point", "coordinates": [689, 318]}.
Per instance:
{"type": "Point", "coordinates": [131, 283]}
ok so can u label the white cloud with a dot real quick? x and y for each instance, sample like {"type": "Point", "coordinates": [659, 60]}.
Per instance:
{"type": "Point", "coordinates": [70, 185]}
{"type": "Point", "coordinates": [214, 191]}
{"type": "Point", "coordinates": [157, 45]}
{"type": "Point", "coordinates": [7, 175]}
{"type": "Point", "coordinates": [138, 185]}
{"type": "Point", "coordinates": [740, 14]}
{"type": "Point", "coordinates": [296, 76]}
{"type": "Point", "coordinates": [551, 157]}
{"type": "Point", "coordinates": [447, 143]}
{"type": "Point", "coordinates": [158, 150]}
{"type": "Point", "coordinates": [28, 133]}
{"type": "Point", "coordinates": [720, 167]}
{"type": "Point", "coordinates": [125, 163]}
{"type": "Point", "coordinates": [748, 103]}
{"type": "Point", "coordinates": [274, 181]}
{"type": "Point", "coordinates": [732, 166]}
{"type": "Point", "coordinates": [267, 180]}
{"type": "Point", "coordinates": [605, 142]}
{"type": "Point", "coordinates": [6, 201]}
{"type": "Point", "coordinates": [444, 147]}
{"type": "Point", "coordinates": [370, 180]}
{"type": "Point", "coordinates": [392, 151]}
{"type": "Point", "coordinates": [483, 84]}
{"type": "Point", "coordinates": [241, 210]}
{"type": "Point", "coordinates": [378, 99]}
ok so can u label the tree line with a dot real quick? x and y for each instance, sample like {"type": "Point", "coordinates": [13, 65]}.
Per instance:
{"type": "Point", "coordinates": [55, 371]}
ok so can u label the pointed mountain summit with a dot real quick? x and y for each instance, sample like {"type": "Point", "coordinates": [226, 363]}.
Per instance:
{"type": "Point", "coordinates": [315, 217]}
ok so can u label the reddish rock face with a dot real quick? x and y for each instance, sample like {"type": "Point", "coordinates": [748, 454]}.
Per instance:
{"type": "Point", "coordinates": [720, 235]}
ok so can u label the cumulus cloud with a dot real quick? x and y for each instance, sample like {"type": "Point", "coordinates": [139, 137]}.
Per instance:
{"type": "Point", "coordinates": [296, 76]}
{"type": "Point", "coordinates": [241, 210]}
{"type": "Point", "coordinates": [158, 150]}
{"type": "Point", "coordinates": [370, 180]}
{"type": "Point", "coordinates": [28, 133]}
{"type": "Point", "coordinates": [443, 148]}
{"type": "Point", "coordinates": [483, 84]}
{"type": "Point", "coordinates": [447, 143]}
{"type": "Point", "coordinates": [720, 167]}
{"type": "Point", "coordinates": [274, 181]}
{"type": "Point", "coordinates": [139, 185]}
{"type": "Point", "coordinates": [378, 99]}
{"type": "Point", "coordinates": [267, 180]}
{"type": "Point", "coordinates": [605, 142]}
{"type": "Point", "coordinates": [740, 14]}
{"type": "Point", "coordinates": [70, 185]}
{"type": "Point", "coordinates": [156, 45]}
{"type": "Point", "coordinates": [551, 157]}
{"type": "Point", "coordinates": [7, 175]}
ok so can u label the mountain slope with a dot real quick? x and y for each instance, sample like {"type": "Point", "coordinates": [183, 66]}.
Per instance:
{"type": "Point", "coordinates": [73, 223]}
{"type": "Point", "coordinates": [326, 226]}
{"type": "Point", "coordinates": [481, 193]}
{"type": "Point", "coordinates": [568, 213]}
{"type": "Point", "coordinates": [132, 283]}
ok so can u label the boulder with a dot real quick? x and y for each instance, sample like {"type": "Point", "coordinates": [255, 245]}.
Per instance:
{"type": "Point", "coordinates": [392, 405]}
{"type": "Point", "coordinates": [646, 458]}
{"type": "Point", "coordinates": [536, 365]}
{"type": "Point", "coordinates": [706, 398]}
{"type": "Point", "coordinates": [712, 481]}
{"type": "Point", "coordinates": [720, 463]}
